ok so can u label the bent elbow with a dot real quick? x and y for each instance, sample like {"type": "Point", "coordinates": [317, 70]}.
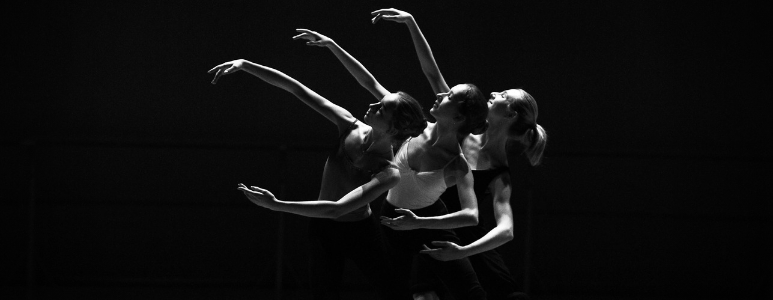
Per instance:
{"type": "Point", "coordinates": [472, 217]}
{"type": "Point", "coordinates": [508, 235]}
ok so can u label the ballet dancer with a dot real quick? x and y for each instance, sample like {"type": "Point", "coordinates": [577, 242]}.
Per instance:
{"type": "Point", "coordinates": [513, 129]}
{"type": "Point", "coordinates": [355, 173]}
{"type": "Point", "coordinates": [429, 163]}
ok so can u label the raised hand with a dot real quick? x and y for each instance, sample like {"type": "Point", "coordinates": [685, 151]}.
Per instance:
{"type": "Point", "coordinates": [408, 220]}
{"type": "Point", "coordinates": [314, 38]}
{"type": "Point", "coordinates": [226, 68]}
{"type": "Point", "coordinates": [391, 14]}
{"type": "Point", "coordinates": [259, 196]}
{"type": "Point", "coordinates": [446, 251]}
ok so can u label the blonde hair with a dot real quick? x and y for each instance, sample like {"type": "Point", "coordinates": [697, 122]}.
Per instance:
{"type": "Point", "coordinates": [526, 125]}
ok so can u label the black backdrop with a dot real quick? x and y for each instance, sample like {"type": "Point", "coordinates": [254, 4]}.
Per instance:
{"type": "Point", "coordinates": [123, 158]}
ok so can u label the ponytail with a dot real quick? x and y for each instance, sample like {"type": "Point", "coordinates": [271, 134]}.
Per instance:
{"type": "Point", "coordinates": [537, 138]}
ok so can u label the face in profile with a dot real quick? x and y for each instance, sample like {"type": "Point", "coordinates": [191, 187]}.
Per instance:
{"type": "Point", "coordinates": [447, 104]}
{"type": "Point", "coordinates": [379, 114]}
{"type": "Point", "coordinates": [498, 103]}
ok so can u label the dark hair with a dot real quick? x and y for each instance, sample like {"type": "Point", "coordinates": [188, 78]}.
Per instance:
{"type": "Point", "coordinates": [537, 137]}
{"type": "Point", "coordinates": [408, 117]}
{"type": "Point", "coordinates": [474, 109]}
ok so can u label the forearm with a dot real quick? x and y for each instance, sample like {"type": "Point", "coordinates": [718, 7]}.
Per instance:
{"type": "Point", "coordinates": [360, 73]}
{"type": "Point", "coordinates": [462, 218]}
{"type": "Point", "coordinates": [313, 209]}
{"type": "Point", "coordinates": [493, 239]}
{"type": "Point", "coordinates": [353, 200]}
{"type": "Point", "coordinates": [274, 77]}
{"type": "Point", "coordinates": [426, 59]}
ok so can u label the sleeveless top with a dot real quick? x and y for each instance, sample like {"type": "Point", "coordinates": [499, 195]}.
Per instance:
{"type": "Point", "coordinates": [342, 174]}
{"type": "Point", "coordinates": [482, 180]}
{"type": "Point", "coordinates": [416, 189]}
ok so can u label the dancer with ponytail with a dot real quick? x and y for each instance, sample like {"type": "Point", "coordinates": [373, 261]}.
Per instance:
{"type": "Point", "coordinates": [513, 132]}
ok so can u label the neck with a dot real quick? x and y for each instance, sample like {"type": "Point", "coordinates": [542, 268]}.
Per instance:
{"type": "Point", "coordinates": [379, 140]}
{"type": "Point", "coordinates": [495, 136]}
{"type": "Point", "coordinates": [493, 142]}
{"type": "Point", "coordinates": [442, 133]}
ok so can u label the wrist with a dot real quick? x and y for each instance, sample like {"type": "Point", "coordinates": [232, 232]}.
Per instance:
{"type": "Point", "coordinates": [274, 205]}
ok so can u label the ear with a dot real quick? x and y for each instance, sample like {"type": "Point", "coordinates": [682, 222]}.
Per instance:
{"type": "Point", "coordinates": [512, 115]}
{"type": "Point", "coordinates": [459, 119]}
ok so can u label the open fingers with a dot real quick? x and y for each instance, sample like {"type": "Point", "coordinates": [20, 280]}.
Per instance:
{"type": "Point", "coordinates": [431, 252]}
{"type": "Point", "coordinates": [220, 66]}
{"type": "Point", "coordinates": [441, 244]}
{"type": "Point", "coordinates": [306, 33]}
{"type": "Point", "coordinates": [217, 75]}
{"type": "Point", "coordinates": [388, 222]}
{"type": "Point", "coordinates": [384, 10]}
{"type": "Point", "coordinates": [249, 192]}
{"type": "Point", "coordinates": [305, 36]}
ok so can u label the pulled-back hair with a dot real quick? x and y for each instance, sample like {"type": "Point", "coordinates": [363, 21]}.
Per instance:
{"type": "Point", "coordinates": [474, 109]}
{"type": "Point", "coordinates": [408, 118]}
{"type": "Point", "coordinates": [527, 126]}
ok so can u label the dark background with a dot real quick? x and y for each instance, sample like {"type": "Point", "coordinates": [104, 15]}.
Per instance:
{"type": "Point", "coordinates": [122, 159]}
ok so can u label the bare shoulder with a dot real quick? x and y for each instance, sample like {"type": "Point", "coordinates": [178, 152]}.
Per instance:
{"type": "Point", "coordinates": [389, 175]}
{"type": "Point", "coordinates": [457, 167]}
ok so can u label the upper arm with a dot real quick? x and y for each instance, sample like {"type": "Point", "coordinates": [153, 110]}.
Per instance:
{"type": "Point", "coordinates": [428, 64]}
{"type": "Point", "coordinates": [464, 183]}
{"type": "Point", "coordinates": [336, 114]}
{"type": "Point", "coordinates": [333, 112]}
{"type": "Point", "coordinates": [501, 190]}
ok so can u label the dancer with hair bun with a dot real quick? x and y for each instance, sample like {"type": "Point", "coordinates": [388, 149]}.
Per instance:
{"type": "Point", "coordinates": [429, 164]}
{"type": "Point", "coordinates": [357, 172]}
{"type": "Point", "coordinates": [513, 131]}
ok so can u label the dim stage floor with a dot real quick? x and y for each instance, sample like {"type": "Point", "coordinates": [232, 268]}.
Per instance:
{"type": "Point", "coordinates": [192, 293]}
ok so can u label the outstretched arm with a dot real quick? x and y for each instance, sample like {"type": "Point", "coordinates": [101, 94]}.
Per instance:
{"type": "Point", "coordinates": [357, 198]}
{"type": "Point", "coordinates": [427, 60]}
{"type": "Point", "coordinates": [336, 114]}
{"type": "Point", "coordinates": [498, 236]}
{"type": "Point", "coordinates": [354, 67]}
